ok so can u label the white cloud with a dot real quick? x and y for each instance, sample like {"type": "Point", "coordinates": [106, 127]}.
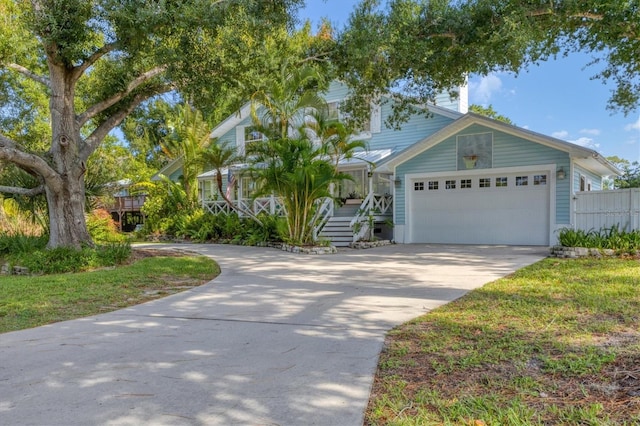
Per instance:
{"type": "Point", "coordinates": [594, 132]}
{"type": "Point", "coordinates": [633, 126]}
{"type": "Point", "coordinates": [482, 91]}
{"type": "Point", "coordinates": [586, 142]}
{"type": "Point", "coordinates": [562, 134]}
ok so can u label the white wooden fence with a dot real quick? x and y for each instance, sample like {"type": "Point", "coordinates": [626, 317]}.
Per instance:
{"type": "Point", "coordinates": [604, 209]}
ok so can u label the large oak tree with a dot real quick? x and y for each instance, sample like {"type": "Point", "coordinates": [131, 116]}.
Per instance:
{"type": "Point", "coordinates": [423, 47]}
{"type": "Point", "coordinates": [97, 61]}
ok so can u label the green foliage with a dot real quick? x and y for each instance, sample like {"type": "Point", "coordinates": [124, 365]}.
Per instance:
{"type": "Point", "coordinates": [297, 172]}
{"type": "Point", "coordinates": [630, 177]}
{"type": "Point", "coordinates": [290, 164]}
{"type": "Point", "coordinates": [72, 70]}
{"type": "Point", "coordinates": [22, 216]}
{"type": "Point", "coordinates": [589, 361]}
{"type": "Point", "coordinates": [31, 252]}
{"type": "Point", "coordinates": [490, 112]}
{"type": "Point", "coordinates": [422, 48]}
{"type": "Point", "coordinates": [145, 130]}
{"type": "Point", "coordinates": [187, 141]}
{"type": "Point", "coordinates": [20, 243]}
{"type": "Point", "coordinates": [202, 227]}
{"type": "Point", "coordinates": [165, 207]}
{"type": "Point", "coordinates": [606, 238]}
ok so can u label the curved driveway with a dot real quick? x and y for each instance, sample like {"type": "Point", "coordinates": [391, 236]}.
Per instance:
{"type": "Point", "coordinates": [276, 339]}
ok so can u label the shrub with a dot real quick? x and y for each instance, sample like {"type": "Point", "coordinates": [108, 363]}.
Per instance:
{"type": "Point", "coordinates": [18, 243]}
{"type": "Point", "coordinates": [102, 228]}
{"type": "Point", "coordinates": [201, 226]}
{"type": "Point", "coordinates": [166, 207]}
{"type": "Point", "coordinates": [31, 252]}
{"type": "Point", "coordinates": [606, 238]}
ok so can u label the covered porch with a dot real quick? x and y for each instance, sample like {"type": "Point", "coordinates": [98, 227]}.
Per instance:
{"type": "Point", "coordinates": [362, 208]}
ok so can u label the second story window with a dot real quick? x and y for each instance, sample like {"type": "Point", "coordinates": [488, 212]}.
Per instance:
{"type": "Point", "coordinates": [252, 135]}
{"type": "Point", "coordinates": [334, 113]}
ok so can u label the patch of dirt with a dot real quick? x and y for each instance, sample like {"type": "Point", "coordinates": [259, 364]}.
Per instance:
{"type": "Point", "coordinates": [141, 253]}
{"type": "Point", "coordinates": [616, 388]}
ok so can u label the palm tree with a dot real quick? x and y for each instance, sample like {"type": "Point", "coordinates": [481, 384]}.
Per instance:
{"type": "Point", "coordinates": [284, 106]}
{"type": "Point", "coordinates": [298, 172]}
{"type": "Point", "coordinates": [190, 136]}
{"type": "Point", "coordinates": [334, 137]}
{"type": "Point", "coordinates": [219, 156]}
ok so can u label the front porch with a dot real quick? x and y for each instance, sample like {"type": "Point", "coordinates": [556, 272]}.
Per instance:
{"type": "Point", "coordinates": [340, 223]}
{"type": "Point", "coordinates": [361, 209]}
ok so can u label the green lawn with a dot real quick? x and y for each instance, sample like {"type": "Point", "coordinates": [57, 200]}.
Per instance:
{"type": "Point", "coordinates": [557, 343]}
{"type": "Point", "coordinates": [31, 301]}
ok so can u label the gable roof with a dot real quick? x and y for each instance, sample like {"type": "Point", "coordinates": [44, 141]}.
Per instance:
{"type": "Point", "coordinates": [584, 156]}
{"type": "Point", "coordinates": [225, 126]}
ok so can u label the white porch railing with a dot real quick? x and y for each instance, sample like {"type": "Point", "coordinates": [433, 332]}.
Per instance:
{"type": "Point", "coordinates": [371, 209]}
{"type": "Point", "coordinates": [269, 205]}
{"type": "Point", "coordinates": [322, 215]}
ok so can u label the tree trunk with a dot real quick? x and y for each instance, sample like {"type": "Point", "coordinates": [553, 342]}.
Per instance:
{"type": "Point", "coordinates": [67, 225]}
{"type": "Point", "coordinates": [65, 191]}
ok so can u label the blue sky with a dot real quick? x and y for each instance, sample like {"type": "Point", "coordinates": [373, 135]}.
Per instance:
{"type": "Point", "coordinates": [556, 98]}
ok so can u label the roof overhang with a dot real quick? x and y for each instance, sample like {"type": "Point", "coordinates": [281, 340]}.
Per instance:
{"type": "Point", "coordinates": [220, 130]}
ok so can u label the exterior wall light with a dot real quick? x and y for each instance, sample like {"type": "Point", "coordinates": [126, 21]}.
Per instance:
{"type": "Point", "coordinates": [560, 174]}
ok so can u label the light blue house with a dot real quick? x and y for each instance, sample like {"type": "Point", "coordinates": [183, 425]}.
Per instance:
{"type": "Point", "coordinates": [447, 177]}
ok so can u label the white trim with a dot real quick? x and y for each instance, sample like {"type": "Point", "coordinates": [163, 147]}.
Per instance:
{"type": "Point", "coordinates": [375, 121]}
{"type": "Point", "coordinates": [572, 194]}
{"type": "Point", "coordinates": [365, 134]}
{"type": "Point", "coordinates": [575, 151]}
{"type": "Point", "coordinates": [410, 177]}
{"type": "Point", "coordinates": [231, 121]}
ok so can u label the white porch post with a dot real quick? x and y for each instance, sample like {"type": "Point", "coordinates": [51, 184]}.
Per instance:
{"type": "Point", "coordinates": [370, 178]}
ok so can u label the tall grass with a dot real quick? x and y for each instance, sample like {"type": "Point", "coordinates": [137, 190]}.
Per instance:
{"type": "Point", "coordinates": [17, 221]}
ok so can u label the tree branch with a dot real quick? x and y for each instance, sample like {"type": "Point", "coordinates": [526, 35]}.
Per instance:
{"type": "Point", "coordinates": [93, 140]}
{"type": "Point", "coordinates": [28, 161]}
{"type": "Point", "coordinates": [28, 192]}
{"type": "Point", "coordinates": [92, 59]}
{"type": "Point", "coordinates": [30, 74]}
{"type": "Point", "coordinates": [6, 142]}
{"type": "Point", "coordinates": [134, 84]}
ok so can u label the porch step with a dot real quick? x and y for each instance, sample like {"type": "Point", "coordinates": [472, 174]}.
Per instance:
{"type": "Point", "coordinates": [346, 210]}
{"type": "Point", "coordinates": [337, 231]}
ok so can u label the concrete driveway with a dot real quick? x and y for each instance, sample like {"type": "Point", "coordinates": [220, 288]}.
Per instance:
{"type": "Point", "coordinates": [276, 339]}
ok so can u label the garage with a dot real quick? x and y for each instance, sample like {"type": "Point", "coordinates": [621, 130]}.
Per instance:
{"type": "Point", "coordinates": [499, 208]}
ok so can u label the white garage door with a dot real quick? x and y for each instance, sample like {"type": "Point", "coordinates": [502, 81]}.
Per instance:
{"type": "Point", "coordinates": [491, 209]}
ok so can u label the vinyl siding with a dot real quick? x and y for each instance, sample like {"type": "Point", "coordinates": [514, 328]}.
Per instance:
{"type": "Point", "coordinates": [175, 176]}
{"type": "Point", "coordinates": [418, 127]}
{"type": "Point", "coordinates": [414, 130]}
{"type": "Point", "coordinates": [508, 151]}
{"type": "Point", "coordinates": [596, 180]}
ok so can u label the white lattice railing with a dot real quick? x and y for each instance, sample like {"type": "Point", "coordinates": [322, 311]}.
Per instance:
{"type": "Point", "coordinates": [269, 205]}
{"type": "Point", "coordinates": [372, 207]}
{"type": "Point", "coordinates": [322, 215]}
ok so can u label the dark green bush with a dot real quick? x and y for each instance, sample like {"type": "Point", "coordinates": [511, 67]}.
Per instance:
{"type": "Point", "coordinates": [201, 226]}
{"type": "Point", "coordinates": [31, 252]}
{"type": "Point", "coordinates": [20, 243]}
